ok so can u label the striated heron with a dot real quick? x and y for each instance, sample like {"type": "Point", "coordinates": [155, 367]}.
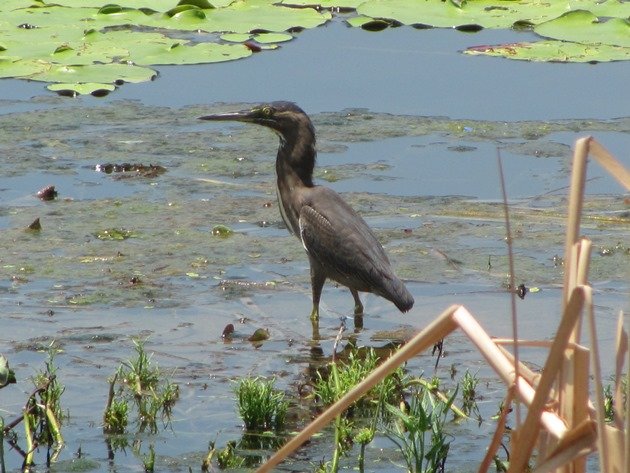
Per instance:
{"type": "Point", "coordinates": [339, 244]}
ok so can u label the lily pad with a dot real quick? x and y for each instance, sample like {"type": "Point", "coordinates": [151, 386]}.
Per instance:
{"type": "Point", "coordinates": [554, 51]}
{"type": "Point", "coordinates": [92, 88]}
{"type": "Point", "coordinates": [180, 53]}
{"type": "Point", "coordinates": [236, 37]}
{"type": "Point", "coordinates": [95, 73]}
{"type": "Point", "coordinates": [270, 38]}
{"type": "Point", "coordinates": [582, 26]}
{"type": "Point", "coordinates": [72, 41]}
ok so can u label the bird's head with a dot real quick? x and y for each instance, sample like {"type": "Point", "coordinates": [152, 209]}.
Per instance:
{"type": "Point", "coordinates": [285, 118]}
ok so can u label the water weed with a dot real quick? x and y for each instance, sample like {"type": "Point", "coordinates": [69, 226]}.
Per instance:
{"type": "Point", "coordinates": [418, 431]}
{"type": "Point", "coordinates": [260, 404]}
{"type": "Point", "coordinates": [138, 391]}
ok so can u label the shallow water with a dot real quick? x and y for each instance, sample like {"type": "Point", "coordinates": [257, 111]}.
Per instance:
{"type": "Point", "coordinates": [426, 182]}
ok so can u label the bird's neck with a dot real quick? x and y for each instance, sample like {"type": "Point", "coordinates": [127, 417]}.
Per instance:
{"type": "Point", "coordinates": [294, 169]}
{"type": "Point", "coordinates": [296, 160]}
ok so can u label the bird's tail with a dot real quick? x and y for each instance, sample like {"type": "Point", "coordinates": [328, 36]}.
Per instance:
{"type": "Point", "coordinates": [397, 293]}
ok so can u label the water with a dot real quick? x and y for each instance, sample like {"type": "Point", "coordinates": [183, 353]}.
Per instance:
{"type": "Point", "coordinates": [408, 132]}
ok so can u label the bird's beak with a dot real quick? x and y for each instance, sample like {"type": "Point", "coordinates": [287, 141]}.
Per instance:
{"type": "Point", "coordinates": [242, 116]}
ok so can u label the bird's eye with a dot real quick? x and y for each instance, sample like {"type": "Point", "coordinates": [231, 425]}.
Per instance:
{"type": "Point", "coordinates": [267, 112]}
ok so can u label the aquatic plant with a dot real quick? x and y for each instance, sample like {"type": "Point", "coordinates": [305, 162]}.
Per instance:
{"type": "Point", "coordinates": [260, 405]}
{"type": "Point", "coordinates": [469, 393]}
{"type": "Point", "coordinates": [42, 416]}
{"type": "Point", "coordinates": [339, 377]}
{"type": "Point", "coordinates": [418, 431]}
{"type": "Point", "coordinates": [138, 383]}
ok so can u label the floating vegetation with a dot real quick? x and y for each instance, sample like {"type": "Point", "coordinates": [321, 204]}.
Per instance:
{"type": "Point", "coordinates": [126, 170]}
{"type": "Point", "coordinates": [115, 234]}
{"type": "Point", "coordinates": [222, 231]}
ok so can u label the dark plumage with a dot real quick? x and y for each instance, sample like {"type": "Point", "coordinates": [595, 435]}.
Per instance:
{"type": "Point", "coordinates": [339, 244]}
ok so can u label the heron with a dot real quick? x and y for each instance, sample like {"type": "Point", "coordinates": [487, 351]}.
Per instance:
{"type": "Point", "coordinates": [339, 243]}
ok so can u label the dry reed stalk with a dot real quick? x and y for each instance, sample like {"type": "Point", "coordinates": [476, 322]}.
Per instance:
{"type": "Point", "coordinates": [508, 232]}
{"type": "Point", "coordinates": [575, 444]}
{"type": "Point", "coordinates": [621, 349]}
{"type": "Point", "coordinates": [527, 435]}
{"type": "Point", "coordinates": [576, 198]}
{"type": "Point", "coordinates": [627, 424]}
{"type": "Point", "coordinates": [495, 443]}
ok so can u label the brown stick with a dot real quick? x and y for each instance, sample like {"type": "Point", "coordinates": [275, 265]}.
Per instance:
{"type": "Point", "coordinates": [529, 432]}
{"type": "Point", "coordinates": [576, 197]}
{"type": "Point", "coordinates": [498, 433]}
{"type": "Point", "coordinates": [610, 164]}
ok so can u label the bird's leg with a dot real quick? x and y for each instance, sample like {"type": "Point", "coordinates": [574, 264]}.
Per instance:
{"type": "Point", "coordinates": [315, 329]}
{"type": "Point", "coordinates": [358, 306]}
{"type": "Point", "coordinates": [318, 278]}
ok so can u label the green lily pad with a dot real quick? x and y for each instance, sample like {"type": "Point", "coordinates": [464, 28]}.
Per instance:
{"type": "Point", "coordinates": [269, 38]}
{"type": "Point", "coordinates": [556, 51]}
{"type": "Point", "coordinates": [236, 37]}
{"type": "Point", "coordinates": [344, 5]}
{"type": "Point", "coordinates": [584, 27]}
{"type": "Point", "coordinates": [483, 13]}
{"type": "Point", "coordinates": [95, 73]}
{"type": "Point", "coordinates": [72, 41]}
{"type": "Point", "coordinates": [262, 15]}
{"type": "Point", "coordinates": [180, 53]}
{"type": "Point", "coordinates": [15, 67]}
{"type": "Point", "coordinates": [92, 88]}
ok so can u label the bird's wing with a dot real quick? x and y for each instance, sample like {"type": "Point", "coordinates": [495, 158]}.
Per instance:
{"type": "Point", "coordinates": [340, 240]}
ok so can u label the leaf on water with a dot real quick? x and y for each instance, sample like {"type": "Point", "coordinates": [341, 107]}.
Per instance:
{"type": "Point", "coordinates": [221, 231]}
{"type": "Point", "coordinates": [90, 88]}
{"type": "Point", "coordinates": [584, 27]}
{"type": "Point", "coordinates": [7, 375]}
{"type": "Point", "coordinates": [553, 51]}
{"type": "Point", "coordinates": [198, 3]}
{"type": "Point", "coordinates": [259, 335]}
{"type": "Point", "coordinates": [115, 234]}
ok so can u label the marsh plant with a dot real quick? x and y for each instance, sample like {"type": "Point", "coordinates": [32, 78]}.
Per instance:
{"type": "Point", "coordinates": [42, 417]}
{"type": "Point", "coordinates": [418, 431]}
{"type": "Point", "coordinates": [340, 377]}
{"type": "Point", "coordinates": [48, 413]}
{"type": "Point", "coordinates": [359, 423]}
{"type": "Point", "coordinates": [469, 393]}
{"type": "Point", "coordinates": [260, 404]}
{"type": "Point", "coordinates": [141, 389]}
